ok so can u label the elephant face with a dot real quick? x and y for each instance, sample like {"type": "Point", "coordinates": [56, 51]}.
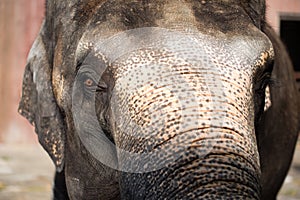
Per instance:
{"type": "Point", "coordinates": [161, 97]}
{"type": "Point", "coordinates": [153, 101]}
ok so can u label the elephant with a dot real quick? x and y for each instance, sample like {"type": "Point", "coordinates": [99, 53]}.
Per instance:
{"type": "Point", "coordinates": [162, 99]}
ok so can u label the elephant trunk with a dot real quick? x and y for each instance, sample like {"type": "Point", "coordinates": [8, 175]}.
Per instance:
{"type": "Point", "coordinates": [183, 126]}
{"type": "Point", "coordinates": [197, 163]}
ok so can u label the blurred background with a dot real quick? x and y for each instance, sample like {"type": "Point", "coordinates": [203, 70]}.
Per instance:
{"type": "Point", "coordinates": [25, 170]}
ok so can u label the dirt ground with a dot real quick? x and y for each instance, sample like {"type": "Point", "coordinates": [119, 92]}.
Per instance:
{"type": "Point", "coordinates": [291, 187]}
{"type": "Point", "coordinates": [26, 174]}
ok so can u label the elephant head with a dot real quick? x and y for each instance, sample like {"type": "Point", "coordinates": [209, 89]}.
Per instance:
{"type": "Point", "coordinates": [162, 99]}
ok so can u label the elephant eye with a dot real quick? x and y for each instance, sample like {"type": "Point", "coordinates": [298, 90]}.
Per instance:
{"type": "Point", "coordinates": [89, 82]}
{"type": "Point", "coordinates": [92, 86]}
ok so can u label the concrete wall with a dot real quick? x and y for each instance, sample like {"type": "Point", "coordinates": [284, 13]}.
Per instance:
{"type": "Point", "coordinates": [19, 24]}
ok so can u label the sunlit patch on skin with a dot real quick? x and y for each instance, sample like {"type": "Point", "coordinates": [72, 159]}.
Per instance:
{"type": "Point", "coordinates": [263, 59]}
{"type": "Point", "coordinates": [268, 102]}
{"type": "Point", "coordinates": [59, 88]}
{"type": "Point", "coordinates": [140, 111]}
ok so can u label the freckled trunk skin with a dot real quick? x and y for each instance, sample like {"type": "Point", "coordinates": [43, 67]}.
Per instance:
{"type": "Point", "coordinates": [224, 172]}
{"type": "Point", "coordinates": [198, 129]}
{"type": "Point", "coordinates": [214, 176]}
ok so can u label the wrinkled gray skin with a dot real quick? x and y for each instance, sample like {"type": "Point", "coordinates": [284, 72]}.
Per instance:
{"type": "Point", "coordinates": [164, 93]}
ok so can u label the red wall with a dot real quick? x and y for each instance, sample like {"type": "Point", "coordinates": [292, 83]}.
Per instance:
{"type": "Point", "coordinates": [277, 7]}
{"type": "Point", "coordinates": [19, 24]}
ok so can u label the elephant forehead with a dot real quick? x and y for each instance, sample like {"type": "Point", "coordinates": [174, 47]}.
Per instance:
{"type": "Point", "coordinates": [195, 68]}
{"type": "Point", "coordinates": [189, 45]}
{"type": "Point", "coordinates": [230, 57]}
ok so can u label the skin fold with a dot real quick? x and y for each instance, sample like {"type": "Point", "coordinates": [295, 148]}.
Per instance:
{"type": "Point", "coordinates": [162, 99]}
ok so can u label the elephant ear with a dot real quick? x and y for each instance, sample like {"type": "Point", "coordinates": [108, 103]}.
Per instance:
{"type": "Point", "coordinates": [39, 106]}
{"type": "Point", "coordinates": [278, 130]}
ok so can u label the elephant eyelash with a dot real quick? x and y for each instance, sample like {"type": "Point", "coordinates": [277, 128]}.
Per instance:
{"type": "Point", "coordinates": [264, 77]}
{"type": "Point", "coordinates": [266, 80]}
{"type": "Point", "coordinates": [263, 82]}
{"type": "Point", "coordinates": [271, 82]}
{"type": "Point", "coordinates": [101, 88]}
